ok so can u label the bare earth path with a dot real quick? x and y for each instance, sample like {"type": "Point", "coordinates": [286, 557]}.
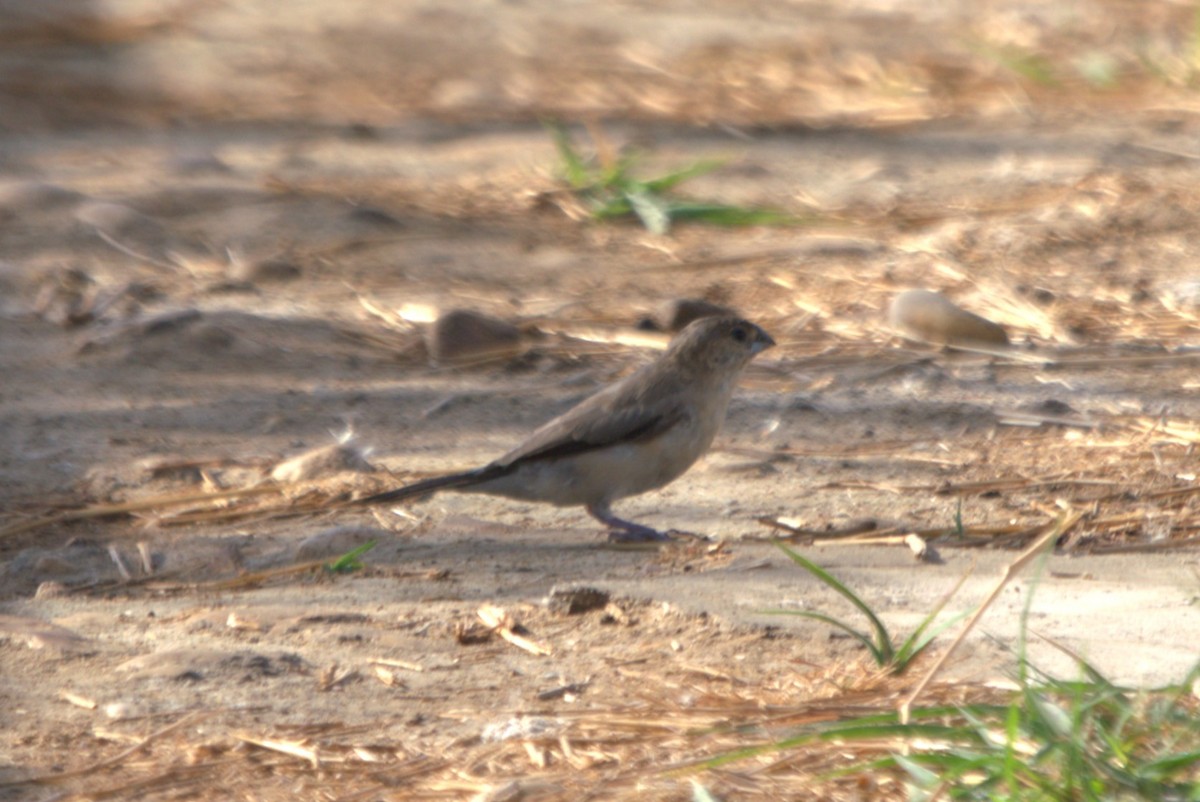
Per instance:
{"type": "Point", "coordinates": [200, 277]}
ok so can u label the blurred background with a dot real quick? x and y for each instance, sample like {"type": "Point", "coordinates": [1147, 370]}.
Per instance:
{"type": "Point", "coordinates": [227, 225]}
{"type": "Point", "coordinates": [186, 62]}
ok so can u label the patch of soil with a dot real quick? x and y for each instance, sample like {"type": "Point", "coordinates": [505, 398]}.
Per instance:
{"type": "Point", "coordinates": [220, 247]}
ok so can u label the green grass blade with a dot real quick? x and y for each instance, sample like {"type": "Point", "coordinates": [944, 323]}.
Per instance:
{"type": "Point", "coordinates": [917, 642]}
{"type": "Point", "coordinates": [670, 180]}
{"type": "Point", "coordinates": [1170, 765]}
{"type": "Point", "coordinates": [856, 731]}
{"type": "Point", "coordinates": [884, 641]}
{"type": "Point", "coordinates": [575, 170]}
{"type": "Point", "coordinates": [617, 176]}
{"type": "Point", "coordinates": [1012, 764]}
{"type": "Point", "coordinates": [349, 561]}
{"type": "Point", "coordinates": [923, 778]}
{"type": "Point", "coordinates": [732, 216]}
{"type": "Point", "coordinates": [612, 207]}
{"type": "Point", "coordinates": [1057, 723]}
{"type": "Point", "coordinates": [858, 635]}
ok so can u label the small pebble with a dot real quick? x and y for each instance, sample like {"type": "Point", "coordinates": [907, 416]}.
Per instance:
{"type": "Point", "coordinates": [930, 317]}
{"type": "Point", "coordinates": [571, 600]}
{"type": "Point", "coordinates": [51, 589]}
{"type": "Point", "coordinates": [462, 335]}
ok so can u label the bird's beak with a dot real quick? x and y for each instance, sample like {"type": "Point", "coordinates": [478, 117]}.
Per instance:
{"type": "Point", "coordinates": [761, 342]}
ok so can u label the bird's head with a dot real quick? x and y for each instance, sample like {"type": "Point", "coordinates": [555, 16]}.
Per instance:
{"type": "Point", "coordinates": [719, 343]}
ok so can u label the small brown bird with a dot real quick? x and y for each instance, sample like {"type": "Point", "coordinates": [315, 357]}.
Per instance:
{"type": "Point", "coordinates": [633, 436]}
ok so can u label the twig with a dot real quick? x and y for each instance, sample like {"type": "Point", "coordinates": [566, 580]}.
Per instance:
{"type": "Point", "coordinates": [503, 624]}
{"type": "Point", "coordinates": [1064, 524]}
{"type": "Point", "coordinates": [293, 748]}
{"type": "Point", "coordinates": [46, 779]}
{"type": "Point", "coordinates": [105, 510]}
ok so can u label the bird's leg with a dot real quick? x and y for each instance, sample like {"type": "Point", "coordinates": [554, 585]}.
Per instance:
{"type": "Point", "coordinates": [622, 531]}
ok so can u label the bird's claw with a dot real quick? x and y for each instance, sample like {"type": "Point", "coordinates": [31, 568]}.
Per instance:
{"type": "Point", "coordinates": [636, 533]}
{"type": "Point", "coordinates": [683, 534]}
{"type": "Point", "coordinates": [644, 534]}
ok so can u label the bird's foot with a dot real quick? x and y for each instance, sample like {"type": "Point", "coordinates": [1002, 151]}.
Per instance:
{"type": "Point", "coordinates": [629, 532]}
{"type": "Point", "coordinates": [684, 534]}
{"type": "Point", "coordinates": [622, 531]}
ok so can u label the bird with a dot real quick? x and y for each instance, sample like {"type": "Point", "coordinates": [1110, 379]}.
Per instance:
{"type": "Point", "coordinates": [631, 437]}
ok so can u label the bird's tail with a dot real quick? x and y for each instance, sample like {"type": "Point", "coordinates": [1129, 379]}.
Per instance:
{"type": "Point", "coordinates": [432, 485]}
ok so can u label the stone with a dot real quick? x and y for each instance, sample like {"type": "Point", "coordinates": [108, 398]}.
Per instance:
{"type": "Point", "coordinates": [461, 336]}
{"type": "Point", "coordinates": [930, 317]}
{"type": "Point", "coordinates": [573, 600]}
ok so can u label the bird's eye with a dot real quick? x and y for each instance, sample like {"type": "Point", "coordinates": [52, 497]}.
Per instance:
{"type": "Point", "coordinates": [739, 334]}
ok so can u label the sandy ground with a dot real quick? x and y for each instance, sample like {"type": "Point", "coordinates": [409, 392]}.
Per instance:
{"type": "Point", "coordinates": [210, 219]}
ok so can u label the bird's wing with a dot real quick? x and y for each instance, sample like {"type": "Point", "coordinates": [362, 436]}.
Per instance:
{"type": "Point", "coordinates": [608, 418]}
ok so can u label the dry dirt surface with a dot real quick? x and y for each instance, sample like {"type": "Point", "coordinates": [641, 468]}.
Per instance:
{"type": "Point", "coordinates": [222, 225]}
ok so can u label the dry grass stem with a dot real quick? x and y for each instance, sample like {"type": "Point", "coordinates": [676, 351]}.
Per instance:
{"type": "Point", "coordinates": [1064, 524]}
{"type": "Point", "coordinates": [503, 624]}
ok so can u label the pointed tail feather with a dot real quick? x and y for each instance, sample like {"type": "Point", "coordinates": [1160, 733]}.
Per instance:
{"type": "Point", "coordinates": [432, 485]}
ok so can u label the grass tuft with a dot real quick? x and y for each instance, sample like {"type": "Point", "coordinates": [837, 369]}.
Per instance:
{"type": "Point", "coordinates": [349, 561]}
{"type": "Point", "coordinates": [612, 192]}
{"type": "Point", "coordinates": [1047, 740]}
{"type": "Point", "coordinates": [1058, 740]}
{"type": "Point", "coordinates": [879, 642]}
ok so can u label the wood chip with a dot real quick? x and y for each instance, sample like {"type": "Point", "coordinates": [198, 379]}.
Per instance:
{"type": "Point", "coordinates": [77, 700]}
{"type": "Point", "coordinates": [293, 748]}
{"type": "Point", "coordinates": [120, 563]}
{"type": "Point", "coordinates": [538, 755]}
{"type": "Point", "coordinates": [499, 621]}
{"type": "Point", "coordinates": [389, 677]}
{"type": "Point", "coordinates": [394, 663]}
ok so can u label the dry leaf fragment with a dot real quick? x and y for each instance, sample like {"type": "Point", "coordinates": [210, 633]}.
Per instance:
{"type": "Point", "coordinates": [389, 677]}
{"type": "Point", "coordinates": [146, 557]}
{"type": "Point", "coordinates": [77, 700]}
{"type": "Point", "coordinates": [293, 748]}
{"type": "Point", "coordinates": [539, 756]}
{"type": "Point", "coordinates": [394, 663]}
{"type": "Point", "coordinates": [119, 561]}
{"type": "Point", "coordinates": [329, 678]}
{"type": "Point", "coordinates": [234, 621]}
